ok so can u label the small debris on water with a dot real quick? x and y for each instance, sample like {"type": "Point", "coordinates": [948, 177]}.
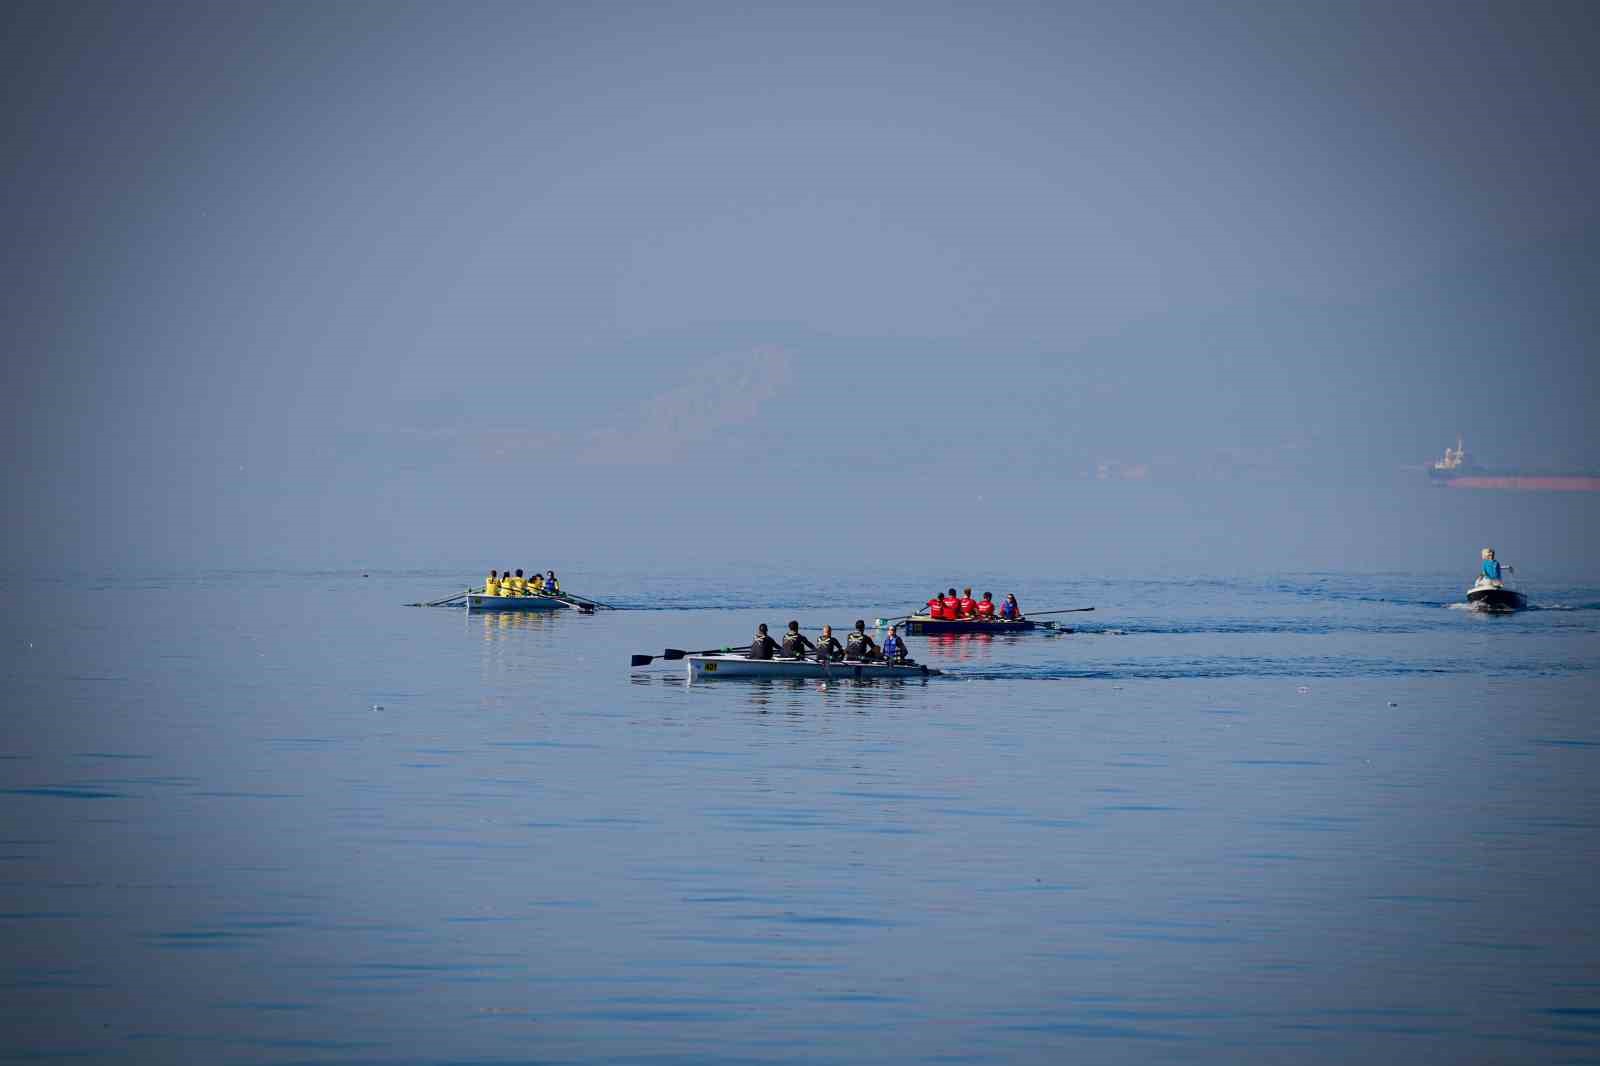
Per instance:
{"type": "Point", "coordinates": [377, 706]}
{"type": "Point", "coordinates": [1303, 689]}
{"type": "Point", "coordinates": [1392, 703]}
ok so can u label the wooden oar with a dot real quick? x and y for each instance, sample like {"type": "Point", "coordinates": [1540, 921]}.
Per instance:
{"type": "Point", "coordinates": [672, 655]}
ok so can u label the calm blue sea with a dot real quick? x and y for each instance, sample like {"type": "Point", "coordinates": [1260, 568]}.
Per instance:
{"type": "Point", "coordinates": [282, 817]}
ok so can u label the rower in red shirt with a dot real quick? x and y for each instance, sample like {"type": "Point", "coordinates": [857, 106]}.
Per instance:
{"type": "Point", "coordinates": [936, 607]}
{"type": "Point", "coordinates": [952, 605]}
{"type": "Point", "coordinates": [985, 608]}
{"type": "Point", "coordinates": [967, 605]}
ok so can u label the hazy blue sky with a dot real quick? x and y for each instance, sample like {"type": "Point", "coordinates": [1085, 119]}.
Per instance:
{"type": "Point", "coordinates": [603, 285]}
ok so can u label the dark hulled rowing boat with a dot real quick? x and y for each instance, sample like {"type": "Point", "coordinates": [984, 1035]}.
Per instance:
{"type": "Point", "coordinates": [920, 625]}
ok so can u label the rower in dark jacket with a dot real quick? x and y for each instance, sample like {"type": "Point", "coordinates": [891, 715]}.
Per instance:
{"type": "Point", "coordinates": [828, 649]}
{"type": "Point", "coordinates": [795, 643]}
{"type": "Point", "coordinates": [858, 647]}
{"type": "Point", "coordinates": [763, 646]}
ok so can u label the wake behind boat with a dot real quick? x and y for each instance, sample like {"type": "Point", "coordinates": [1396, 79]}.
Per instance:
{"type": "Point", "coordinates": [714, 667]}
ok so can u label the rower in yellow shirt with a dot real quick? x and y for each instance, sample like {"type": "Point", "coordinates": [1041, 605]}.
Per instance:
{"type": "Point", "coordinates": [519, 585]}
{"type": "Point", "coordinates": [491, 587]}
{"type": "Point", "coordinates": [505, 584]}
{"type": "Point", "coordinates": [536, 584]}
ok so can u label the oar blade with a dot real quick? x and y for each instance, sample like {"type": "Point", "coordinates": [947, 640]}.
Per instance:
{"type": "Point", "coordinates": [672, 655]}
{"type": "Point", "coordinates": [641, 660]}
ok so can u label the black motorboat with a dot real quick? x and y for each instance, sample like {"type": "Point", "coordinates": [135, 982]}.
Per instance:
{"type": "Point", "coordinates": [1487, 595]}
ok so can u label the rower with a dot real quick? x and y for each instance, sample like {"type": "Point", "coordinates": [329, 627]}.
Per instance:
{"type": "Point", "coordinates": [1009, 610]}
{"type": "Point", "coordinates": [763, 646]}
{"type": "Point", "coordinates": [985, 608]}
{"type": "Point", "coordinates": [1491, 568]}
{"type": "Point", "coordinates": [858, 647]}
{"type": "Point", "coordinates": [894, 649]}
{"type": "Point", "coordinates": [795, 643]}
{"type": "Point", "coordinates": [828, 649]}
{"type": "Point", "coordinates": [505, 583]}
{"type": "Point", "coordinates": [966, 605]}
{"type": "Point", "coordinates": [936, 607]}
{"type": "Point", "coordinates": [491, 587]}
{"type": "Point", "coordinates": [952, 605]}
{"type": "Point", "coordinates": [536, 585]}
{"type": "Point", "coordinates": [519, 584]}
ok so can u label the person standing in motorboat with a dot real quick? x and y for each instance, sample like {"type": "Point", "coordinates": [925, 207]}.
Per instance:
{"type": "Point", "coordinates": [1492, 569]}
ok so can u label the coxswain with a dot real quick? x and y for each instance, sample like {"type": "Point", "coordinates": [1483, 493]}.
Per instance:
{"type": "Point", "coordinates": [967, 605]}
{"type": "Point", "coordinates": [491, 587]}
{"type": "Point", "coordinates": [828, 649]}
{"type": "Point", "coordinates": [763, 646]}
{"type": "Point", "coordinates": [936, 607]}
{"type": "Point", "coordinates": [796, 643]}
{"type": "Point", "coordinates": [894, 649]}
{"type": "Point", "coordinates": [952, 605]}
{"type": "Point", "coordinates": [985, 608]}
{"type": "Point", "coordinates": [1009, 611]}
{"type": "Point", "coordinates": [551, 585]}
{"type": "Point", "coordinates": [858, 647]}
{"type": "Point", "coordinates": [1491, 568]}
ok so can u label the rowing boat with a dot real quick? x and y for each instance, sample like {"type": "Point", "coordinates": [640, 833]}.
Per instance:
{"type": "Point", "coordinates": [477, 601]}
{"type": "Point", "coordinates": [920, 625]}
{"type": "Point", "coordinates": [712, 667]}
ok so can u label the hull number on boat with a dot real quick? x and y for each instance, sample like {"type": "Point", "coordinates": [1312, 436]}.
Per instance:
{"type": "Point", "coordinates": [711, 668]}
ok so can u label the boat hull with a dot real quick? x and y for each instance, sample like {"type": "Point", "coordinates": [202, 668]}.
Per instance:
{"type": "Point", "coordinates": [477, 601]}
{"type": "Point", "coordinates": [923, 626]}
{"type": "Point", "coordinates": [715, 667]}
{"type": "Point", "coordinates": [1496, 598]}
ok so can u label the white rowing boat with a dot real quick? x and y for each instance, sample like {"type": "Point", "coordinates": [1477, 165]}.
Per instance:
{"type": "Point", "coordinates": [712, 667]}
{"type": "Point", "coordinates": [477, 601]}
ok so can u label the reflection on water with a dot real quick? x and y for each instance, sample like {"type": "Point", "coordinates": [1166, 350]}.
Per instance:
{"type": "Point", "coordinates": [495, 624]}
{"type": "Point", "coordinates": [943, 649]}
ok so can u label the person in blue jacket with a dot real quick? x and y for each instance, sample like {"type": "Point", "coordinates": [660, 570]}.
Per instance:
{"type": "Point", "coordinates": [894, 648]}
{"type": "Point", "coordinates": [1491, 568]}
